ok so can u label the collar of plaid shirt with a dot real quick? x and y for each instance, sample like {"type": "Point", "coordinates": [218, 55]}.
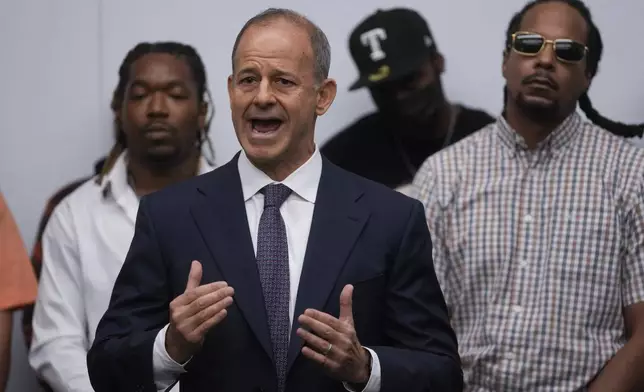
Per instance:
{"type": "Point", "coordinates": [557, 139]}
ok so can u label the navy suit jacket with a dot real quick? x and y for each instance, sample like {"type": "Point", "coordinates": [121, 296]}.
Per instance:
{"type": "Point", "coordinates": [362, 233]}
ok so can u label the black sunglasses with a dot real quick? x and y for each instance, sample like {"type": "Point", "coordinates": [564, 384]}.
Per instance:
{"type": "Point", "coordinates": [566, 50]}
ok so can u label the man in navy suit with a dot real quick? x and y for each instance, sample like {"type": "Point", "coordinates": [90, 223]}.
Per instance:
{"type": "Point", "coordinates": [278, 271]}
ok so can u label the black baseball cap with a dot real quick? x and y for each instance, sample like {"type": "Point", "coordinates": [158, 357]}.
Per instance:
{"type": "Point", "coordinates": [389, 44]}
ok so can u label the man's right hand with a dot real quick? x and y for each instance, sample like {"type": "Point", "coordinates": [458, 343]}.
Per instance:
{"type": "Point", "coordinates": [193, 313]}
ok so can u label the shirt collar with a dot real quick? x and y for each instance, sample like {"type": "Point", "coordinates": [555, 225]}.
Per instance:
{"type": "Point", "coordinates": [555, 141]}
{"type": "Point", "coordinates": [304, 181]}
{"type": "Point", "coordinates": [116, 183]}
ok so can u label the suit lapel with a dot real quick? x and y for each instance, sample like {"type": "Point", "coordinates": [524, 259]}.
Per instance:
{"type": "Point", "coordinates": [338, 220]}
{"type": "Point", "coordinates": [220, 214]}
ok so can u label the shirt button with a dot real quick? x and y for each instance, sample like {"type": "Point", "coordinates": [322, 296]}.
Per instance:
{"type": "Point", "coordinates": [517, 308]}
{"type": "Point", "coordinates": [509, 356]}
{"type": "Point", "coordinates": [523, 262]}
{"type": "Point", "coordinates": [528, 218]}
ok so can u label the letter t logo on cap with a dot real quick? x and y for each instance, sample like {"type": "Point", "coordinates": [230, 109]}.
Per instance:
{"type": "Point", "coordinates": [372, 38]}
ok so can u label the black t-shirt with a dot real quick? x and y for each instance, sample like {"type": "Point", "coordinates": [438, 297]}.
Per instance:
{"type": "Point", "coordinates": [370, 149]}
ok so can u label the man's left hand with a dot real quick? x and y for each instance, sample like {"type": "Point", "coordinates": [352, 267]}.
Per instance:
{"type": "Point", "coordinates": [333, 343]}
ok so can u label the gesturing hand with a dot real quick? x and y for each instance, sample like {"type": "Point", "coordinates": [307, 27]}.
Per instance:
{"type": "Point", "coordinates": [194, 312]}
{"type": "Point", "coordinates": [333, 343]}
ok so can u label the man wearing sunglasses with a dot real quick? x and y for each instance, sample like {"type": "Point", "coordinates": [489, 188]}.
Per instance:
{"type": "Point", "coordinates": [537, 223]}
{"type": "Point", "coordinates": [400, 64]}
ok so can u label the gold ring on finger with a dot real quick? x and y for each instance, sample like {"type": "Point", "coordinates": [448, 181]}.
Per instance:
{"type": "Point", "coordinates": [328, 349]}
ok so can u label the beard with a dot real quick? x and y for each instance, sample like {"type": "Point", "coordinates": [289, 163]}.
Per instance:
{"type": "Point", "coordinates": [538, 111]}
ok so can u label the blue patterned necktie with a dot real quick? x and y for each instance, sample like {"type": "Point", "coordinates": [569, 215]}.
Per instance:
{"type": "Point", "coordinates": [272, 263]}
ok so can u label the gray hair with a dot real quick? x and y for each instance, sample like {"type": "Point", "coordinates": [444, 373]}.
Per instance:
{"type": "Point", "coordinates": [319, 42]}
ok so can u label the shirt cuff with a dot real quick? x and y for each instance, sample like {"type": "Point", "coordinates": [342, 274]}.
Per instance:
{"type": "Point", "coordinates": [165, 369]}
{"type": "Point", "coordinates": [373, 384]}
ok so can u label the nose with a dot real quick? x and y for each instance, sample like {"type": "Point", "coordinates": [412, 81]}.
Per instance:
{"type": "Point", "coordinates": [157, 106]}
{"type": "Point", "coordinates": [546, 57]}
{"type": "Point", "coordinates": [265, 96]}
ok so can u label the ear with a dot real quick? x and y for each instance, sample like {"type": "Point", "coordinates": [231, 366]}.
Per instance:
{"type": "Point", "coordinates": [506, 56]}
{"type": "Point", "coordinates": [117, 117]}
{"type": "Point", "coordinates": [116, 128]}
{"type": "Point", "coordinates": [326, 95]}
{"type": "Point", "coordinates": [587, 82]}
{"type": "Point", "coordinates": [439, 64]}
{"type": "Point", "coordinates": [588, 79]}
{"type": "Point", "coordinates": [230, 90]}
{"type": "Point", "coordinates": [203, 114]}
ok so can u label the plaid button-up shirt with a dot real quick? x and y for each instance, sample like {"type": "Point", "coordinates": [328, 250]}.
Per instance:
{"type": "Point", "coordinates": [537, 251]}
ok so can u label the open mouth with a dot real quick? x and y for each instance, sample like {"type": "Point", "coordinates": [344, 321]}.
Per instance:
{"type": "Point", "coordinates": [266, 125]}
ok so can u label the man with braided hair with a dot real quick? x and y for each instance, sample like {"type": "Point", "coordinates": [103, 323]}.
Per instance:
{"type": "Point", "coordinates": [161, 106]}
{"type": "Point", "coordinates": [537, 223]}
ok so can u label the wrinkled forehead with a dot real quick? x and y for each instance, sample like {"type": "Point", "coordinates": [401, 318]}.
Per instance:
{"type": "Point", "coordinates": [555, 20]}
{"type": "Point", "coordinates": [277, 41]}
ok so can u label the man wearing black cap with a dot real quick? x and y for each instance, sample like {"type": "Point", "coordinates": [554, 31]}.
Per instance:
{"type": "Point", "coordinates": [400, 64]}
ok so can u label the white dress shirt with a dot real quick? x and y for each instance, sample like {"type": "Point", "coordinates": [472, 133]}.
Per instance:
{"type": "Point", "coordinates": [297, 212]}
{"type": "Point", "coordinates": [84, 246]}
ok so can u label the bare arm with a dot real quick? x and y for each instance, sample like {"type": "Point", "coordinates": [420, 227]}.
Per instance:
{"type": "Point", "coordinates": [624, 372]}
{"type": "Point", "coordinates": [5, 347]}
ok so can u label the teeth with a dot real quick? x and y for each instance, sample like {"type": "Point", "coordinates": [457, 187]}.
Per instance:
{"type": "Point", "coordinates": [266, 122]}
{"type": "Point", "coordinates": [266, 125]}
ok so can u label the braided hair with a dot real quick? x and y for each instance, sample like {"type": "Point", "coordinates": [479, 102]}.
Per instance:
{"type": "Point", "coordinates": [198, 69]}
{"type": "Point", "coordinates": [594, 54]}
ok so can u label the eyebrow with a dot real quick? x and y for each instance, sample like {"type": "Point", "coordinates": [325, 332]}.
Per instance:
{"type": "Point", "coordinates": [169, 84]}
{"type": "Point", "coordinates": [274, 73]}
{"type": "Point", "coordinates": [280, 72]}
{"type": "Point", "coordinates": [247, 70]}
